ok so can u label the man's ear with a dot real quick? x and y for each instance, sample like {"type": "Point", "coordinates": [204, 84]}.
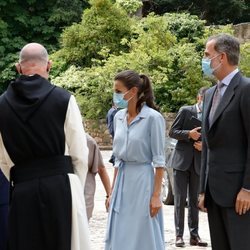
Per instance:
{"type": "Point", "coordinates": [223, 57]}
{"type": "Point", "coordinates": [18, 68]}
{"type": "Point", "coordinates": [49, 64]}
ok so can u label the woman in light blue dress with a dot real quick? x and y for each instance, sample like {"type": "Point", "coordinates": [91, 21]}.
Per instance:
{"type": "Point", "coordinates": [135, 215]}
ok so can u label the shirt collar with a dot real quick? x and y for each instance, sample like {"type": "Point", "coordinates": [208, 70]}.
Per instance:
{"type": "Point", "coordinates": [197, 108]}
{"type": "Point", "coordinates": [226, 80]}
{"type": "Point", "coordinates": [143, 113]}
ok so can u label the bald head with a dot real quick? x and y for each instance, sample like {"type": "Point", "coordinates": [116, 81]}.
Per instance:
{"type": "Point", "coordinates": [33, 52]}
{"type": "Point", "coordinates": [34, 59]}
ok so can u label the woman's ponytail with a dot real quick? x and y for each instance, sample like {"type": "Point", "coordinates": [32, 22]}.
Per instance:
{"type": "Point", "coordinates": [146, 94]}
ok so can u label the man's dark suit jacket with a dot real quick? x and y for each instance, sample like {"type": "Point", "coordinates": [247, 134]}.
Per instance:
{"type": "Point", "coordinates": [4, 190]}
{"type": "Point", "coordinates": [226, 144]}
{"type": "Point", "coordinates": [184, 153]}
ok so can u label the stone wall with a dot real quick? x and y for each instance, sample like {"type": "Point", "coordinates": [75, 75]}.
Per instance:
{"type": "Point", "coordinates": [98, 130]}
{"type": "Point", "coordinates": [242, 32]}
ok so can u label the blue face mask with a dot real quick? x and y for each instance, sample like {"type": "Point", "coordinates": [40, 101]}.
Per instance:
{"type": "Point", "coordinates": [206, 66]}
{"type": "Point", "coordinates": [119, 101]}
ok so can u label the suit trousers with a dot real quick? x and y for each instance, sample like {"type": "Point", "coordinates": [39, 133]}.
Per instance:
{"type": "Point", "coordinates": [228, 230]}
{"type": "Point", "coordinates": [186, 182]}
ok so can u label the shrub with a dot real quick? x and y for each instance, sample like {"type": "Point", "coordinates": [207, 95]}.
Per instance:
{"type": "Point", "coordinates": [153, 50]}
{"type": "Point", "coordinates": [101, 29]}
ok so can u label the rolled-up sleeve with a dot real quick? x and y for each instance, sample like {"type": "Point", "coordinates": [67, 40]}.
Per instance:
{"type": "Point", "coordinates": [158, 130]}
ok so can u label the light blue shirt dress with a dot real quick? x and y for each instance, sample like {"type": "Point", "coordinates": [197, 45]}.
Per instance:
{"type": "Point", "coordinates": [138, 148]}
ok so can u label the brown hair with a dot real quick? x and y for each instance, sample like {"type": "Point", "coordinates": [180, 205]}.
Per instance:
{"type": "Point", "coordinates": [145, 94]}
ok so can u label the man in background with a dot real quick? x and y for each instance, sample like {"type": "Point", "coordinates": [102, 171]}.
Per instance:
{"type": "Point", "coordinates": [186, 163]}
{"type": "Point", "coordinates": [110, 123]}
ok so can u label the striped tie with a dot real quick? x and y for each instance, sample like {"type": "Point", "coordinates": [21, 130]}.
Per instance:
{"type": "Point", "coordinates": [216, 101]}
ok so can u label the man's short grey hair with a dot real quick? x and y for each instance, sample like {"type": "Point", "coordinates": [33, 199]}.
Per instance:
{"type": "Point", "coordinates": [39, 55]}
{"type": "Point", "coordinates": [229, 45]}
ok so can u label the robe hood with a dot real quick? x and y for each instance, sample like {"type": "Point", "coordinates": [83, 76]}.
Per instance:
{"type": "Point", "coordinates": [26, 94]}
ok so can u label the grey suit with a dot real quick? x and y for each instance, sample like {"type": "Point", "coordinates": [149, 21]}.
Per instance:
{"type": "Point", "coordinates": [226, 164]}
{"type": "Point", "coordinates": [186, 164]}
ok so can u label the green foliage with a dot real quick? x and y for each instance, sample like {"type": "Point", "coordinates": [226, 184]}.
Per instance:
{"type": "Point", "coordinates": [185, 26]}
{"type": "Point", "coordinates": [22, 22]}
{"type": "Point", "coordinates": [167, 48]}
{"type": "Point", "coordinates": [130, 6]}
{"type": "Point", "coordinates": [184, 78]}
{"type": "Point", "coordinates": [245, 59]}
{"type": "Point", "coordinates": [105, 41]}
{"type": "Point", "coordinates": [92, 88]}
{"type": "Point", "coordinates": [174, 68]}
{"type": "Point", "coordinates": [101, 30]}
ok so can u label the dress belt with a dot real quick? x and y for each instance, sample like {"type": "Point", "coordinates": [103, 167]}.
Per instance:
{"type": "Point", "coordinates": [38, 168]}
{"type": "Point", "coordinates": [116, 197]}
{"type": "Point", "coordinates": [117, 193]}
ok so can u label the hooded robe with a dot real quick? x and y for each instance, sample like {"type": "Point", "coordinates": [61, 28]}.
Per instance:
{"type": "Point", "coordinates": [43, 152]}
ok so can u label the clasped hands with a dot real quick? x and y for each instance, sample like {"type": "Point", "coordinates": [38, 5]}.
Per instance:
{"type": "Point", "coordinates": [195, 134]}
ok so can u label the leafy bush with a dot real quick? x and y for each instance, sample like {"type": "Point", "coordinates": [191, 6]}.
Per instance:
{"type": "Point", "coordinates": [23, 22]}
{"type": "Point", "coordinates": [173, 67]}
{"type": "Point", "coordinates": [185, 26]}
{"type": "Point", "coordinates": [130, 6]}
{"type": "Point", "coordinates": [162, 48]}
{"type": "Point", "coordinates": [245, 59]}
{"type": "Point", "coordinates": [101, 29]}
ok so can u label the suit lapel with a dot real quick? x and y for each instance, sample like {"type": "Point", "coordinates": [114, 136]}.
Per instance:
{"type": "Point", "coordinates": [194, 111]}
{"type": "Point", "coordinates": [208, 103]}
{"type": "Point", "coordinates": [227, 97]}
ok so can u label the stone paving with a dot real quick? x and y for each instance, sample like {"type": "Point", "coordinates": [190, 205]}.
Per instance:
{"type": "Point", "coordinates": [99, 219]}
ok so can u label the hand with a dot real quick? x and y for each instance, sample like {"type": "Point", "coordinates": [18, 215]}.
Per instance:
{"type": "Point", "coordinates": [242, 204]}
{"type": "Point", "coordinates": [198, 145]}
{"type": "Point", "coordinates": [201, 202]}
{"type": "Point", "coordinates": [194, 133]}
{"type": "Point", "coordinates": [107, 203]}
{"type": "Point", "coordinates": [155, 205]}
